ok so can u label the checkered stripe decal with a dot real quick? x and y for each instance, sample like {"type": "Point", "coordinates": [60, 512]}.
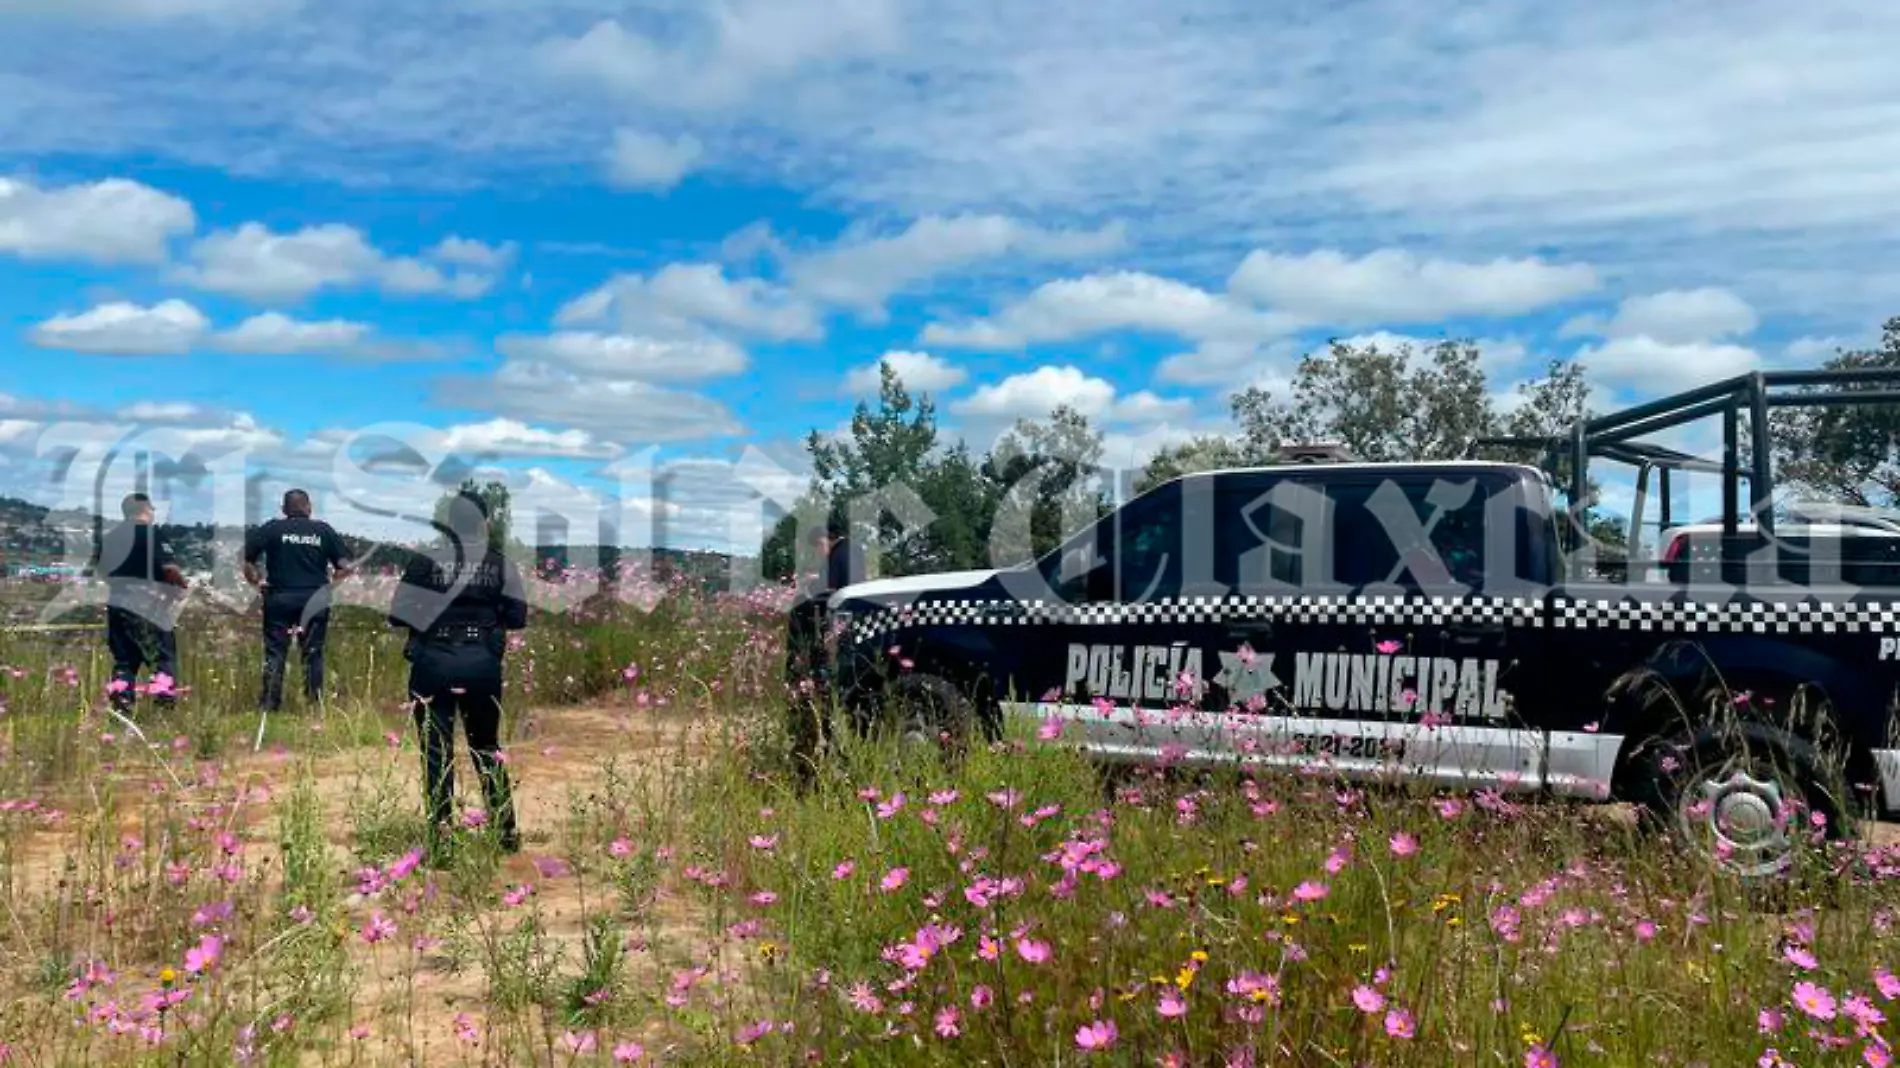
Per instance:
{"type": "Point", "coordinates": [1184, 611]}
{"type": "Point", "coordinates": [1663, 617]}
{"type": "Point", "coordinates": [1758, 617]}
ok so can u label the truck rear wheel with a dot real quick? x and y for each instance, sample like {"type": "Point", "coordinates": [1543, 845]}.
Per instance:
{"type": "Point", "coordinates": [1736, 795]}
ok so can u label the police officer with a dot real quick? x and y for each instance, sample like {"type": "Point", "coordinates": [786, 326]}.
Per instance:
{"type": "Point", "coordinates": [839, 565]}
{"type": "Point", "coordinates": [299, 554]}
{"type": "Point", "coordinates": [141, 603]}
{"type": "Point", "coordinates": [458, 602]}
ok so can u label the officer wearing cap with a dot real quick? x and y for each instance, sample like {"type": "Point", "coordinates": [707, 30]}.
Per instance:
{"type": "Point", "coordinates": [300, 556]}
{"type": "Point", "coordinates": [458, 601]}
{"type": "Point", "coordinates": [141, 607]}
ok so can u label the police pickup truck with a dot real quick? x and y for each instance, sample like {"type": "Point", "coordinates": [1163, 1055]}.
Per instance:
{"type": "Point", "coordinates": [1416, 619]}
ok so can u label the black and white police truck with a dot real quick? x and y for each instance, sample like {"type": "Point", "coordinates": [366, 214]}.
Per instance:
{"type": "Point", "coordinates": [1424, 620]}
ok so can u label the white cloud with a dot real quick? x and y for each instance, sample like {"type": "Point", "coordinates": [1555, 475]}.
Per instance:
{"type": "Point", "coordinates": [648, 359]}
{"type": "Point", "coordinates": [1655, 367]}
{"type": "Point", "coordinates": [1073, 308]}
{"type": "Point", "coordinates": [1393, 285]}
{"type": "Point", "coordinates": [111, 221]}
{"type": "Point", "coordinates": [258, 264]}
{"type": "Point", "coordinates": [624, 411]}
{"type": "Point", "coordinates": [274, 334]}
{"type": "Point", "coordinates": [1817, 350]}
{"type": "Point", "coordinates": [920, 371]}
{"type": "Point", "coordinates": [752, 44]}
{"type": "Point", "coordinates": [863, 270]}
{"type": "Point", "coordinates": [1034, 394]}
{"type": "Point", "coordinates": [683, 299]}
{"type": "Point", "coordinates": [151, 10]}
{"type": "Point", "coordinates": [1675, 316]}
{"type": "Point", "coordinates": [511, 437]}
{"type": "Point", "coordinates": [640, 160]}
{"type": "Point", "coordinates": [468, 252]}
{"type": "Point", "coordinates": [161, 412]}
{"type": "Point", "coordinates": [119, 328]}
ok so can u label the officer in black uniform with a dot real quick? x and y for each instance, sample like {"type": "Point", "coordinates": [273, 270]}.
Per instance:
{"type": "Point", "coordinates": [142, 604]}
{"type": "Point", "coordinates": [458, 601]}
{"type": "Point", "coordinates": [299, 554]}
{"type": "Point", "coordinates": [840, 564]}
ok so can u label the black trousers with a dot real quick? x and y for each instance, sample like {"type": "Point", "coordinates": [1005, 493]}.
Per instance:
{"type": "Point", "coordinates": [135, 639]}
{"type": "Point", "coordinates": [284, 620]}
{"type": "Point", "coordinates": [808, 677]}
{"type": "Point", "coordinates": [451, 680]}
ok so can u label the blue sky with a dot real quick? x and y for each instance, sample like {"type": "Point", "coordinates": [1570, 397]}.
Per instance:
{"type": "Point", "coordinates": [576, 239]}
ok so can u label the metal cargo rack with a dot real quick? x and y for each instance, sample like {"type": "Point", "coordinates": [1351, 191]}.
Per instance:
{"type": "Point", "coordinates": [1615, 437]}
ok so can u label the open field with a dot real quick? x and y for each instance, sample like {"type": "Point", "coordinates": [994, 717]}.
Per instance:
{"type": "Point", "coordinates": [185, 895]}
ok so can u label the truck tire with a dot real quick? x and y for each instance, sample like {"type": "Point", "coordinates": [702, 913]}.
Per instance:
{"type": "Point", "coordinates": [1735, 793]}
{"type": "Point", "coordinates": [928, 710]}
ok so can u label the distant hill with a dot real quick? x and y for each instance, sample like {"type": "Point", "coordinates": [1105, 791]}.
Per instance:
{"type": "Point", "coordinates": [32, 536]}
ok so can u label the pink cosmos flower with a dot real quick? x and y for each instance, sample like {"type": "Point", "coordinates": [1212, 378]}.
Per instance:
{"type": "Point", "coordinates": [1096, 1036]}
{"type": "Point", "coordinates": [1367, 999]}
{"type": "Point", "coordinates": [629, 1053]}
{"type": "Point", "coordinates": [1886, 982]}
{"type": "Point", "coordinates": [843, 870]}
{"type": "Point", "coordinates": [981, 997]}
{"type": "Point", "coordinates": [620, 848]}
{"type": "Point", "coordinates": [1398, 1024]}
{"type": "Point", "coordinates": [1403, 844]}
{"type": "Point", "coordinates": [379, 928]}
{"type": "Point", "coordinates": [895, 879]}
{"type": "Point", "coordinates": [1814, 1000]}
{"type": "Point", "coordinates": [1032, 951]}
{"type": "Point", "coordinates": [1172, 1005]}
{"type": "Point", "coordinates": [204, 955]}
{"type": "Point", "coordinates": [1050, 730]}
{"type": "Point", "coordinates": [1769, 1021]}
{"type": "Point", "coordinates": [947, 1018]}
{"type": "Point", "coordinates": [1540, 1056]}
{"type": "Point", "coordinates": [1309, 891]}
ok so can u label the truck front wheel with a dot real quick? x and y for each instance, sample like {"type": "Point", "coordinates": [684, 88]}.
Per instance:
{"type": "Point", "coordinates": [926, 710]}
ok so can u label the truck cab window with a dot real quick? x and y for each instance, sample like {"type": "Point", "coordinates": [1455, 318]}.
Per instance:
{"type": "Point", "coordinates": [1413, 532]}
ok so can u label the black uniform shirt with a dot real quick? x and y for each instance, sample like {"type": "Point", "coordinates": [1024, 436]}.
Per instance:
{"type": "Point", "coordinates": [297, 551]}
{"type": "Point", "coordinates": [443, 589]}
{"type": "Point", "coordinates": [134, 558]}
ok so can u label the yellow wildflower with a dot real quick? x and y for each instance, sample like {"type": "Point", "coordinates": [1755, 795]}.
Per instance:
{"type": "Point", "coordinates": [167, 976]}
{"type": "Point", "coordinates": [1199, 956]}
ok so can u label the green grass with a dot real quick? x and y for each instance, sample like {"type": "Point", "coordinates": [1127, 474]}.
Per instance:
{"type": "Point", "coordinates": [706, 911]}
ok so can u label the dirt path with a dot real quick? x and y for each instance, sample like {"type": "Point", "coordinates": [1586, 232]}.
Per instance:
{"type": "Point", "coordinates": [410, 1005]}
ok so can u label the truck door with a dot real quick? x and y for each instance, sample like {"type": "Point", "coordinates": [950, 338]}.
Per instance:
{"type": "Point", "coordinates": [1125, 645]}
{"type": "Point", "coordinates": [1392, 655]}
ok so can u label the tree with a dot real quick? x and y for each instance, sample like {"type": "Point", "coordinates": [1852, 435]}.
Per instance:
{"type": "Point", "coordinates": [495, 496]}
{"type": "Point", "coordinates": [892, 455]}
{"type": "Point", "coordinates": [1206, 452]}
{"type": "Point", "coordinates": [1381, 404]}
{"type": "Point", "coordinates": [1850, 454]}
{"type": "Point", "coordinates": [1055, 459]}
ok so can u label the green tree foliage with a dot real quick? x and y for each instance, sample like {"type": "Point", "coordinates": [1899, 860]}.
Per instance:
{"type": "Point", "coordinates": [1036, 478]}
{"type": "Point", "coordinates": [1381, 403]}
{"type": "Point", "coordinates": [500, 518]}
{"type": "Point", "coordinates": [1841, 453]}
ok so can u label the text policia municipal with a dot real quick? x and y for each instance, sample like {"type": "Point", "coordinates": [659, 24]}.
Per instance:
{"type": "Point", "coordinates": [1466, 687]}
